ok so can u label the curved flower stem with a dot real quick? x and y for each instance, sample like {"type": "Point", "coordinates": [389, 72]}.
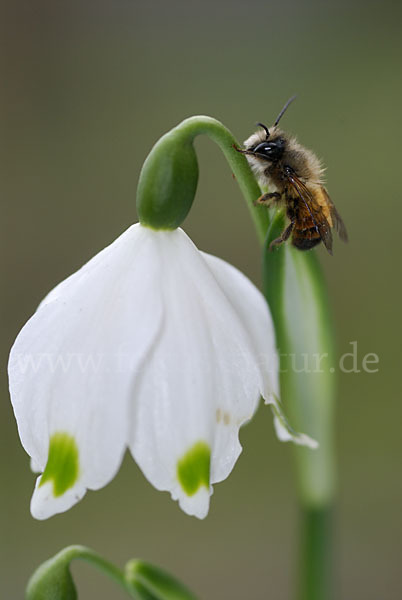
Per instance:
{"type": "Point", "coordinates": [52, 580]}
{"type": "Point", "coordinates": [168, 178]}
{"type": "Point", "coordinates": [82, 552]}
{"type": "Point", "coordinates": [197, 125]}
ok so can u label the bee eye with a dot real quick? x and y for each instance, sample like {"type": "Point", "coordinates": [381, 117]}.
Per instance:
{"type": "Point", "coordinates": [272, 150]}
{"type": "Point", "coordinates": [265, 148]}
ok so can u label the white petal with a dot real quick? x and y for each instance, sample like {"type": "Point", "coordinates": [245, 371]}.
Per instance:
{"type": "Point", "coordinates": [252, 308]}
{"type": "Point", "coordinates": [285, 433]}
{"type": "Point", "coordinates": [202, 380]}
{"type": "Point", "coordinates": [45, 504]}
{"type": "Point", "coordinates": [251, 305]}
{"type": "Point", "coordinates": [72, 366]}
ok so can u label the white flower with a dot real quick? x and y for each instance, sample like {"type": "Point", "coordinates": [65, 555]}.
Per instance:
{"type": "Point", "coordinates": [154, 346]}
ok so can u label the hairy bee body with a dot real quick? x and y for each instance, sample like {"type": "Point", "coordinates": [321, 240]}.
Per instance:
{"type": "Point", "coordinates": [294, 175]}
{"type": "Point", "coordinates": [305, 235]}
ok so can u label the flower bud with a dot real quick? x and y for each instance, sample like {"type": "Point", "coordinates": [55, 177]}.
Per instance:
{"type": "Point", "coordinates": [152, 583]}
{"type": "Point", "coordinates": [52, 580]}
{"type": "Point", "coordinates": [168, 181]}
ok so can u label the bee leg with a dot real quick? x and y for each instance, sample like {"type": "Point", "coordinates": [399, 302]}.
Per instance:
{"type": "Point", "coordinates": [283, 237]}
{"type": "Point", "coordinates": [265, 199]}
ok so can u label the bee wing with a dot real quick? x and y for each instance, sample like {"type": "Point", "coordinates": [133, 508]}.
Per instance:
{"type": "Point", "coordinates": [315, 210]}
{"type": "Point", "coordinates": [336, 218]}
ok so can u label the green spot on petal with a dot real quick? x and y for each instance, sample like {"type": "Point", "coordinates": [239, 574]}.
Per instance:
{"type": "Point", "coordinates": [62, 463]}
{"type": "Point", "coordinates": [194, 467]}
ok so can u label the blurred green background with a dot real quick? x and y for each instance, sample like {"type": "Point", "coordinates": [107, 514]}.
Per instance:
{"type": "Point", "coordinates": [86, 89]}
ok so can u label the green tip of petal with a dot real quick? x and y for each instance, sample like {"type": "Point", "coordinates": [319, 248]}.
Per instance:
{"type": "Point", "coordinates": [193, 469]}
{"type": "Point", "coordinates": [62, 466]}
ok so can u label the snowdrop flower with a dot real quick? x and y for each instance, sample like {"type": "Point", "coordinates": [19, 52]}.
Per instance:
{"type": "Point", "coordinates": [152, 346]}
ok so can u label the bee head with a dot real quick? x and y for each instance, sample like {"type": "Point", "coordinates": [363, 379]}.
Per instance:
{"type": "Point", "coordinates": [270, 146]}
{"type": "Point", "coordinates": [263, 149]}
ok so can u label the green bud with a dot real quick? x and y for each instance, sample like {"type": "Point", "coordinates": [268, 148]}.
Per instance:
{"type": "Point", "coordinates": [52, 580]}
{"type": "Point", "coordinates": [152, 583]}
{"type": "Point", "coordinates": [168, 181]}
{"type": "Point", "coordinates": [296, 294]}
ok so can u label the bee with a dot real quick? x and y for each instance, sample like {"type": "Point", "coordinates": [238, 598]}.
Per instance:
{"type": "Point", "coordinates": [296, 175]}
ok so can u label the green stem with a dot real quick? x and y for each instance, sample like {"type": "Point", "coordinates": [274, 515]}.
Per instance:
{"type": "Point", "coordinates": [116, 574]}
{"type": "Point", "coordinates": [238, 163]}
{"type": "Point", "coordinates": [297, 295]}
{"type": "Point", "coordinates": [316, 555]}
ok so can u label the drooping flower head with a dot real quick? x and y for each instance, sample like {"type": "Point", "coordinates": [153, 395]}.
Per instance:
{"type": "Point", "coordinates": [152, 346]}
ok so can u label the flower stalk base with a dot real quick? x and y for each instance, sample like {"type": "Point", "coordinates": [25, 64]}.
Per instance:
{"type": "Point", "coordinates": [316, 576]}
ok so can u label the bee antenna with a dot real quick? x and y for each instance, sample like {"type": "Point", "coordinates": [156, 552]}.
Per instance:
{"type": "Point", "coordinates": [264, 127]}
{"type": "Point", "coordinates": [283, 110]}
